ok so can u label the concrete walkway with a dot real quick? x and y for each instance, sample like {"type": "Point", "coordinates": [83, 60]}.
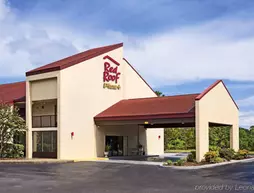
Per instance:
{"type": "Point", "coordinates": [34, 161]}
{"type": "Point", "coordinates": [176, 167]}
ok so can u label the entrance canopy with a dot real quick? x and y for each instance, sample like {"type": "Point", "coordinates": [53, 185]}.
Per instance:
{"type": "Point", "coordinates": [170, 111]}
{"type": "Point", "coordinates": [159, 112]}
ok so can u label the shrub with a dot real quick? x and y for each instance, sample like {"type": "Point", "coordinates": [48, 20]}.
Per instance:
{"type": "Point", "coordinates": [228, 153]}
{"type": "Point", "coordinates": [211, 156]}
{"type": "Point", "coordinates": [180, 162]}
{"type": "Point", "coordinates": [241, 154]}
{"type": "Point", "coordinates": [169, 162]}
{"type": "Point", "coordinates": [214, 148]}
{"type": "Point", "coordinates": [218, 160]}
{"type": "Point", "coordinates": [13, 151]}
{"type": "Point", "coordinates": [192, 156]}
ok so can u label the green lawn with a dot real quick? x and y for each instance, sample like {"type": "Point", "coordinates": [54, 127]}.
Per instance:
{"type": "Point", "coordinates": [179, 151]}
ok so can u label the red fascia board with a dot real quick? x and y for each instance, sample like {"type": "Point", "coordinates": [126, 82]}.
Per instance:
{"type": "Point", "coordinates": [63, 66]}
{"type": "Point", "coordinates": [199, 97]}
{"type": "Point", "coordinates": [139, 75]}
{"type": "Point", "coordinates": [145, 117]}
{"type": "Point", "coordinates": [56, 68]}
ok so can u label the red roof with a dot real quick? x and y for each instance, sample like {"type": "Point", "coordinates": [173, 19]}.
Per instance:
{"type": "Point", "coordinates": [72, 60]}
{"type": "Point", "coordinates": [9, 93]}
{"type": "Point", "coordinates": [149, 108]}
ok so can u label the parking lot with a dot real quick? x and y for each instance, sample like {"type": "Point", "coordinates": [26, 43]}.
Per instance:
{"type": "Point", "coordinates": [111, 177]}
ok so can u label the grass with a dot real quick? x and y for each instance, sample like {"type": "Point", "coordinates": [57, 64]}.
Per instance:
{"type": "Point", "coordinates": [178, 150]}
{"type": "Point", "coordinates": [251, 152]}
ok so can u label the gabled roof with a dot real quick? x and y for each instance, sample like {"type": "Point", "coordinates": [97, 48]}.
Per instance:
{"type": "Point", "coordinates": [72, 60]}
{"type": "Point", "coordinates": [199, 97]}
{"type": "Point", "coordinates": [9, 93]}
{"type": "Point", "coordinates": [151, 108]}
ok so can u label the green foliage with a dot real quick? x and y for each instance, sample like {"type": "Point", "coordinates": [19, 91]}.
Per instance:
{"type": "Point", "coordinates": [192, 156]}
{"type": "Point", "coordinates": [218, 160]}
{"type": "Point", "coordinates": [107, 148]}
{"type": "Point", "coordinates": [243, 153]}
{"type": "Point", "coordinates": [227, 153]}
{"type": "Point", "coordinates": [180, 162]}
{"type": "Point", "coordinates": [214, 148]}
{"type": "Point", "coordinates": [247, 138]}
{"type": "Point", "coordinates": [179, 138]}
{"type": "Point", "coordinates": [13, 151]}
{"type": "Point", "coordinates": [159, 94]}
{"type": "Point", "coordinates": [219, 137]}
{"type": "Point", "coordinates": [211, 156]}
{"type": "Point", "coordinates": [169, 162]}
{"type": "Point", "coordinates": [11, 125]}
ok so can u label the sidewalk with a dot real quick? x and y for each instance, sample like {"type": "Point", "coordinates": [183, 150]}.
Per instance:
{"type": "Point", "coordinates": [34, 161]}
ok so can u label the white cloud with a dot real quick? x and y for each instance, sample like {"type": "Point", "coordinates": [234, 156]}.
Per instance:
{"type": "Point", "coordinates": [199, 52]}
{"type": "Point", "coordinates": [246, 102]}
{"type": "Point", "coordinates": [213, 50]}
{"type": "Point", "coordinates": [247, 119]}
{"type": "Point", "coordinates": [4, 10]}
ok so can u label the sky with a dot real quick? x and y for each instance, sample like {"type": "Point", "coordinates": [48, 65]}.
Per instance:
{"type": "Point", "coordinates": [178, 46]}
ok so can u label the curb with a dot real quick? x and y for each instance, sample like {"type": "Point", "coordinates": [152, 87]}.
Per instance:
{"type": "Point", "coordinates": [35, 162]}
{"type": "Point", "coordinates": [209, 165]}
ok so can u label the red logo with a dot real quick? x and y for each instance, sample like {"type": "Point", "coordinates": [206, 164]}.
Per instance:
{"type": "Point", "coordinates": [111, 71]}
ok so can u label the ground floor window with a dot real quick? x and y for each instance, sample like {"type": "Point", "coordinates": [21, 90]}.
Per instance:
{"type": "Point", "coordinates": [45, 144]}
{"type": "Point", "coordinates": [118, 145]}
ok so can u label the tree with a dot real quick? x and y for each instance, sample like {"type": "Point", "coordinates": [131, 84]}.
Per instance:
{"type": "Point", "coordinates": [159, 94]}
{"type": "Point", "coordinates": [11, 125]}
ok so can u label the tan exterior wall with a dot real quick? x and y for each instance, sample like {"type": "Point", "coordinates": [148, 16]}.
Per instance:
{"type": "Point", "coordinates": [47, 109]}
{"type": "Point", "coordinates": [129, 131]}
{"type": "Point", "coordinates": [83, 97]}
{"type": "Point", "coordinates": [135, 87]}
{"type": "Point", "coordinates": [44, 89]}
{"type": "Point", "coordinates": [48, 88]}
{"type": "Point", "coordinates": [155, 141]}
{"type": "Point", "coordinates": [80, 96]}
{"type": "Point", "coordinates": [215, 107]}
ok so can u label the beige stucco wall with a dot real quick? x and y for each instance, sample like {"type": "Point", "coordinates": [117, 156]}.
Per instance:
{"type": "Point", "coordinates": [44, 89]}
{"type": "Point", "coordinates": [82, 96]}
{"type": "Point", "coordinates": [215, 107]}
{"type": "Point", "coordinates": [48, 88]}
{"type": "Point", "coordinates": [129, 131]}
{"type": "Point", "coordinates": [135, 87]}
{"type": "Point", "coordinates": [44, 108]}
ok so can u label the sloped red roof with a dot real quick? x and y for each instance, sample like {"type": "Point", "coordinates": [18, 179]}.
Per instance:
{"type": "Point", "coordinates": [9, 93]}
{"type": "Point", "coordinates": [149, 108]}
{"type": "Point", "coordinates": [75, 59]}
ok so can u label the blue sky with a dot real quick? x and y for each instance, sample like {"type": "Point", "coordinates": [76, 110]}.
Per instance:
{"type": "Point", "coordinates": [178, 46]}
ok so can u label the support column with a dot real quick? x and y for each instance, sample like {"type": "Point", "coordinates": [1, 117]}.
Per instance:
{"type": "Point", "coordinates": [29, 141]}
{"type": "Point", "coordinates": [234, 137]}
{"type": "Point", "coordinates": [202, 133]}
{"type": "Point", "coordinates": [202, 140]}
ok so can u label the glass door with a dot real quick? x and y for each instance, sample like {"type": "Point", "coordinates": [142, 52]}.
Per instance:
{"type": "Point", "coordinates": [45, 144]}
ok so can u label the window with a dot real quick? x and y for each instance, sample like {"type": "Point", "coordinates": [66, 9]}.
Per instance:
{"type": "Point", "coordinates": [44, 141]}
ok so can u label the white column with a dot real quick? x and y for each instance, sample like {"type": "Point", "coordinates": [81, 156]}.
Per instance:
{"type": "Point", "coordinates": [234, 137]}
{"type": "Point", "coordinates": [202, 134]}
{"type": "Point", "coordinates": [29, 142]}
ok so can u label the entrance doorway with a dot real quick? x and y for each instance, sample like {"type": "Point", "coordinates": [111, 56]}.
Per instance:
{"type": "Point", "coordinates": [118, 145]}
{"type": "Point", "coordinates": [44, 144]}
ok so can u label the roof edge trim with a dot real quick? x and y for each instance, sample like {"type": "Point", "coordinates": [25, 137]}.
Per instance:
{"type": "Point", "coordinates": [139, 75]}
